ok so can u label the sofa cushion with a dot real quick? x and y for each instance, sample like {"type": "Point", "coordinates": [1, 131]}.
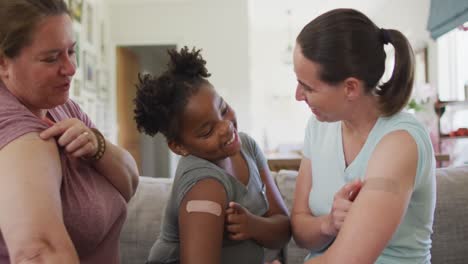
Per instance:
{"type": "Point", "coordinates": [450, 237]}
{"type": "Point", "coordinates": [142, 226]}
{"type": "Point", "coordinates": [286, 182]}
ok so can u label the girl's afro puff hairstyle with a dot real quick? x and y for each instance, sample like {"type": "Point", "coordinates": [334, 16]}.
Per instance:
{"type": "Point", "coordinates": [160, 100]}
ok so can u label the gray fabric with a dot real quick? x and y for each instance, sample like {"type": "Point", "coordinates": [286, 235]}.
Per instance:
{"type": "Point", "coordinates": [449, 241]}
{"type": "Point", "coordinates": [450, 238]}
{"type": "Point", "coordinates": [286, 182]}
{"type": "Point", "coordinates": [145, 212]}
{"type": "Point", "coordinates": [191, 170]}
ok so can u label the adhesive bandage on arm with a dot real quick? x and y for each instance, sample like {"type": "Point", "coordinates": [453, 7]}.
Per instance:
{"type": "Point", "coordinates": [382, 184]}
{"type": "Point", "coordinates": [204, 206]}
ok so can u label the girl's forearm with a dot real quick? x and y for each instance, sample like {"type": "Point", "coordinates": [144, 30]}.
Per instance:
{"type": "Point", "coordinates": [272, 231]}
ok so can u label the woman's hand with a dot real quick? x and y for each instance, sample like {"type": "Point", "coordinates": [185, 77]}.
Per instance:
{"type": "Point", "coordinates": [74, 136]}
{"type": "Point", "coordinates": [239, 222]}
{"type": "Point", "coordinates": [341, 204]}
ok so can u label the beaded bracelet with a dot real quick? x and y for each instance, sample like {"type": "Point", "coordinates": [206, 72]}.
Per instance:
{"type": "Point", "coordinates": [101, 146]}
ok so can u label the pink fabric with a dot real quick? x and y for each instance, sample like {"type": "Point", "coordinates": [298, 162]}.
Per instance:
{"type": "Point", "coordinates": [93, 210]}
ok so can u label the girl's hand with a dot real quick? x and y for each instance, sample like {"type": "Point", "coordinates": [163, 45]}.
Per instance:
{"type": "Point", "coordinates": [342, 202]}
{"type": "Point", "coordinates": [74, 136]}
{"type": "Point", "coordinates": [239, 222]}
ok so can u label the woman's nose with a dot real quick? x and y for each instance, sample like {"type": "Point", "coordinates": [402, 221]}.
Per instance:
{"type": "Point", "coordinates": [69, 66]}
{"type": "Point", "coordinates": [299, 93]}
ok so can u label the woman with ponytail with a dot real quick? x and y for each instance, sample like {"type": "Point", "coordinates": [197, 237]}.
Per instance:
{"type": "Point", "coordinates": [366, 186]}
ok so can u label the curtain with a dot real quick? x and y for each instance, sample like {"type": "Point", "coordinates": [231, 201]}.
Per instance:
{"type": "Point", "coordinates": [446, 15]}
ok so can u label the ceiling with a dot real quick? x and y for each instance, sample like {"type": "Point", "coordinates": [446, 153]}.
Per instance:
{"type": "Point", "coordinates": [408, 16]}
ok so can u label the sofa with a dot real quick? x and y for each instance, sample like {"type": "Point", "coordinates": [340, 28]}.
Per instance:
{"type": "Point", "coordinates": [450, 237]}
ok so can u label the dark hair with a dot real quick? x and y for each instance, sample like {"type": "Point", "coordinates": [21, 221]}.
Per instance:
{"type": "Point", "coordinates": [18, 19]}
{"type": "Point", "coordinates": [346, 43]}
{"type": "Point", "coordinates": [160, 101]}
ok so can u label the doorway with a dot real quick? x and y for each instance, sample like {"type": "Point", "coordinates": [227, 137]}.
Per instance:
{"type": "Point", "coordinates": [153, 157]}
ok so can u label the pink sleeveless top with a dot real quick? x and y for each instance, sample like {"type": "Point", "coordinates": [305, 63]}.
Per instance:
{"type": "Point", "coordinates": [93, 210]}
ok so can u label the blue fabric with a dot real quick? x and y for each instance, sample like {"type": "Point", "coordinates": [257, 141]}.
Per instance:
{"type": "Point", "coordinates": [446, 15]}
{"type": "Point", "coordinates": [411, 242]}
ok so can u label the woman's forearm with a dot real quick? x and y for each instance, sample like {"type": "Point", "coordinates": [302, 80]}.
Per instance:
{"type": "Point", "coordinates": [273, 231]}
{"type": "Point", "coordinates": [308, 231]}
{"type": "Point", "coordinates": [120, 168]}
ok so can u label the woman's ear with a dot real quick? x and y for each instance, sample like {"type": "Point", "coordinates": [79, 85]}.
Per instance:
{"type": "Point", "coordinates": [353, 88]}
{"type": "Point", "coordinates": [177, 148]}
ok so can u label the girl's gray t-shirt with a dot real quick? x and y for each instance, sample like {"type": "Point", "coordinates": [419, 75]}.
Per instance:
{"type": "Point", "coordinates": [252, 196]}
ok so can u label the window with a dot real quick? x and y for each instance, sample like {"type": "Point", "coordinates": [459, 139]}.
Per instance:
{"type": "Point", "coordinates": [452, 57]}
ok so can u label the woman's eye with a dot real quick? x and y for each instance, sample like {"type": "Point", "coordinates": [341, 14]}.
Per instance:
{"type": "Point", "coordinates": [50, 60]}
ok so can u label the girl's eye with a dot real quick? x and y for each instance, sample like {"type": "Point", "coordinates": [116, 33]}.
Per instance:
{"type": "Point", "coordinates": [207, 134]}
{"type": "Point", "coordinates": [225, 110]}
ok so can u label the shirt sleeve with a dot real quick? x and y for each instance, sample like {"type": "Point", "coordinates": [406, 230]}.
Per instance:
{"type": "Point", "coordinates": [16, 120]}
{"type": "Point", "coordinates": [191, 177]}
{"type": "Point", "coordinates": [255, 150]}
{"type": "Point", "coordinates": [308, 144]}
{"type": "Point", "coordinates": [80, 114]}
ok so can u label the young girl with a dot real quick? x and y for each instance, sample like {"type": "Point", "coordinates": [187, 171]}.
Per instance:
{"type": "Point", "coordinates": [224, 206]}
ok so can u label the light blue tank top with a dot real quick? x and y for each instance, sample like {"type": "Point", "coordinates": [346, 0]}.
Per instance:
{"type": "Point", "coordinates": [411, 242]}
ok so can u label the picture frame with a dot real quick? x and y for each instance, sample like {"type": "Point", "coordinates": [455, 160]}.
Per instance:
{"type": "Point", "coordinates": [103, 46]}
{"type": "Point", "coordinates": [76, 88]}
{"type": "Point", "coordinates": [91, 108]}
{"type": "Point", "coordinates": [89, 70]}
{"type": "Point", "coordinates": [77, 36]}
{"type": "Point", "coordinates": [76, 9]}
{"type": "Point", "coordinates": [421, 67]}
{"type": "Point", "coordinates": [99, 118]}
{"type": "Point", "coordinates": [89, 23]}
{"type": "Point", "coordinates": [102, 82]}
{"type": "Point", "coordinates": [80, 103]}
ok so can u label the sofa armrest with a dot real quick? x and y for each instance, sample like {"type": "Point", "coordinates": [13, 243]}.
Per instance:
{"type": "Point", "coordinates": [450, 237]}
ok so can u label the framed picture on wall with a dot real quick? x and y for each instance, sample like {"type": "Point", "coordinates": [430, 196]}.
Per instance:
{"type": "Point", "coordinates": [80, 102]}
{"type": "Point", "coordinates": [77, 35]}
{"type": "Point", "coordinates": [102, 82]}
{"type": "Point", "coordinates": [89, 70]}
{"type": "Point", "coordinates": [76, 88]}
{"type": "Point", "coordinates": [99, 121]}
{"type": "Point", "coordinates": [102, 37]}
{"type": "Point", "coordinates": [91, 108]}
{"type": "Point", "coordinates": [76, 9]}
{"type": "Point", "coordinates": [421, 70]}
{"type": "Point", "coordinates": [89, 22]}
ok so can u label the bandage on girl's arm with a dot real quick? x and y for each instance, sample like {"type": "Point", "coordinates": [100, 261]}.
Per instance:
{"type": "Point", "coordinates": [201, 222]}
{"type": "Point", "coordinates": [204, 206]}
